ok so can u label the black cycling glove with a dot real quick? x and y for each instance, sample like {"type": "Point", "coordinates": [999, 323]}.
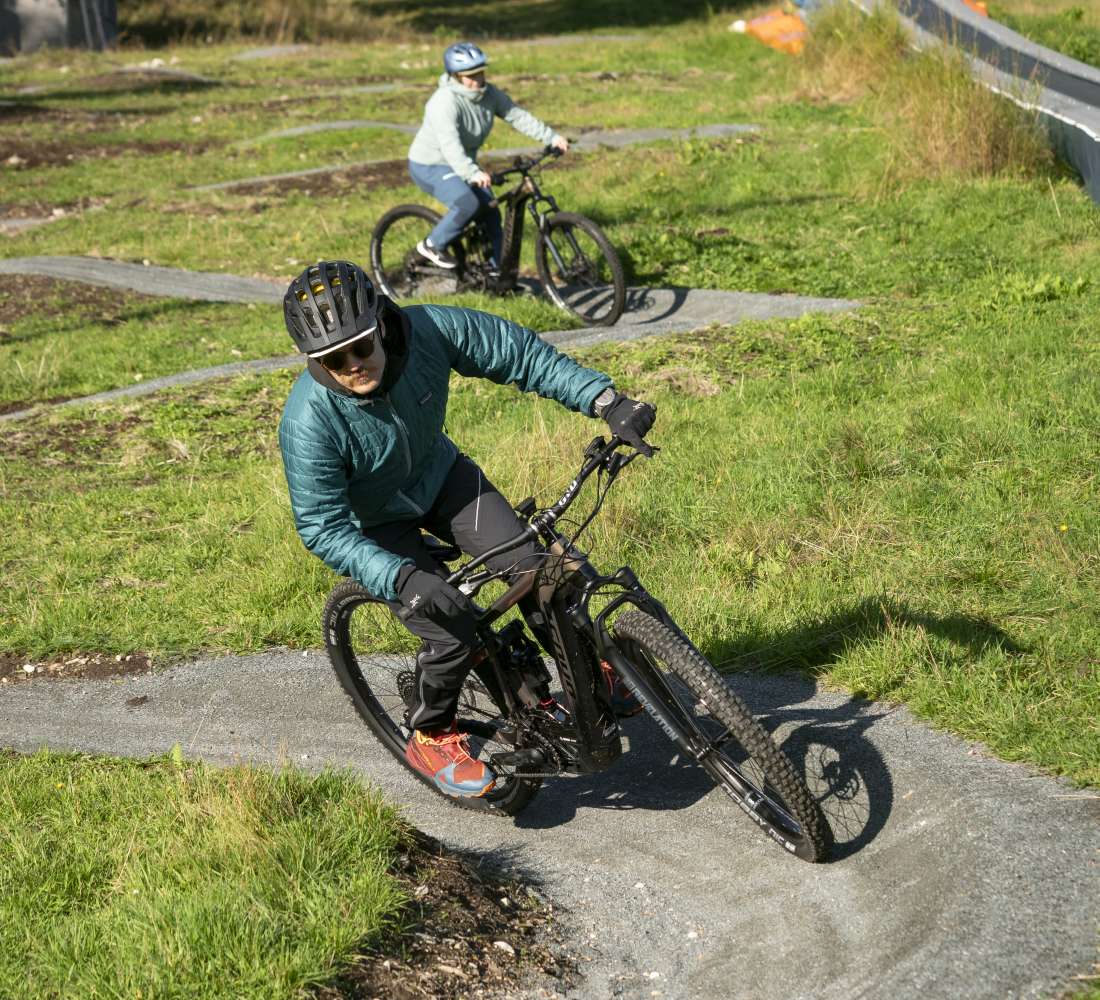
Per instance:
{"type": "Point", "coordinates": [430, 596]}
{"type": "Point", "coordinates": [630, 420]}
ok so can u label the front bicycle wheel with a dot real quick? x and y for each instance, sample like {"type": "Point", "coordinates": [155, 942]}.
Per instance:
{"type": "Point", "coordinates": [380, 686]}
{"type": "Point", "coordinates": [580, 270]}
{"type": "Point", "coordinates": [740, 754]}
{"type": "Point", "coordinates": [399, 271]}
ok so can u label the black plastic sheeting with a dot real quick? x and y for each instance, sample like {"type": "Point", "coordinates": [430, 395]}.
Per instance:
{"type": "Point", "coordinates": [1074, 141]}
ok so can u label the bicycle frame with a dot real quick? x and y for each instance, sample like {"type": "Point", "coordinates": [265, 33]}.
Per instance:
{"type": "Point", "coordinates": [526, 194]}
{"type": "Point", "coordinates": [564, 587]}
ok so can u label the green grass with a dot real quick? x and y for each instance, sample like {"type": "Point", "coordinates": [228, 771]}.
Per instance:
{"type": "Point", "coordinates": [1074, 30]}
{"type": "Point", "coordinates": [882, 496]}
{"type": "Point", "coordinates": [167, 878]}
{"type": "Point", "coordinates": [122, 340]}
{"type": "Point", "coordinates": [898, 502]}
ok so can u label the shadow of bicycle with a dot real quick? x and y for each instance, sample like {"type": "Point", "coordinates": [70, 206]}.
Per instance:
{"type": "Point", "coordinates": [828, 745]}
{"type": "Point", "coordinates": [652, 775]}
{"type": "Point", "coordinates": [825, 734]}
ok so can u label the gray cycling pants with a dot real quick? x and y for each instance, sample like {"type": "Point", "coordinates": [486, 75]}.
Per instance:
{"type": "Point", "coordinates": [471, 513]}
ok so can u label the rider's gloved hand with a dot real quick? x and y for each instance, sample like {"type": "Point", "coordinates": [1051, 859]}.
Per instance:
{"type": "Point", "coordinates": [430, 596]}
{"type": "Point", "coordinates": [630, 420]}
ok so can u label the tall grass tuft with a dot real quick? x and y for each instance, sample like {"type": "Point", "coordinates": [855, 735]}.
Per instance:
{"type": "Point", "coordinates": [159, 22]}
{"type": "Point", "coordinates": [847, 52]}
{"type": "Point", "coordinates": [939, 121]}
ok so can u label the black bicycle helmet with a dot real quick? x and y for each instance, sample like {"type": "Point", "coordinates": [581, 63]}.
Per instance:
{"type": "Point", "coordinates": [464, 57]}
{"type": "Point", "coordinates": [328, 303]}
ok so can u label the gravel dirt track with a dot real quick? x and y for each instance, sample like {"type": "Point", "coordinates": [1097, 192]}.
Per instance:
{"type": "Point", "coordinates": [958, 875]}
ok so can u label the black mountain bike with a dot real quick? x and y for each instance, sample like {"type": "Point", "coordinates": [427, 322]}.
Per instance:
{"type": "Point", "coordinates": [577, 265]}
{"type": "Point", "coordinates": [594, 623]}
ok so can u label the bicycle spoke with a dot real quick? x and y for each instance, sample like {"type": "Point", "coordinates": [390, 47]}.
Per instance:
{"type": "Point", "coordinates": [580, 270]}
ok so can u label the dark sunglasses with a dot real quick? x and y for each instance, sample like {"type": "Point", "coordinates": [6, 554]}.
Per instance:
{"type": "Point", "coordinates": [336, 361]}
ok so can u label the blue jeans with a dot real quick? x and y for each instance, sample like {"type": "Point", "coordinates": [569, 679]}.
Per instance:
{"type": "Point", "coordinates": [463, 202]}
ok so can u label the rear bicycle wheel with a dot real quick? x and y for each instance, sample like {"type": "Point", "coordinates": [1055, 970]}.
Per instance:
{"type": "Point", "coordinates": [380, 686]}
{"type": "Point", "coordinates": [398, 270]}
{"type": "Point", "coordinates": [742, 758]}
{"type": "Point", "coordinates": [580, 270]}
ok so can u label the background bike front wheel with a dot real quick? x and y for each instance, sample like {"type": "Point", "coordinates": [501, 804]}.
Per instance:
{"type": "Point", "coordinates": [379, 686]}
{"type": "Point", "coordinates": [743, 760]}
{"type": "Point", "coordinates": [580, 270]}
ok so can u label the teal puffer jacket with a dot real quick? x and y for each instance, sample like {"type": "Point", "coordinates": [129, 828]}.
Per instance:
{"type": "Point", "coordinates": [352, 462]}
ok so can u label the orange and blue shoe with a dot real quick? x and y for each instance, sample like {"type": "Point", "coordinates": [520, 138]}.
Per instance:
{"type": "Point", "coordinates": [444, 756]}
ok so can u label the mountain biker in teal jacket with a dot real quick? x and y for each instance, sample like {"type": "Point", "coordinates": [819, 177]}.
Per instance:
{"type": "Point", "coordinates": [368, 465]}
{"type": "Point", "coordinates": [443, 156]}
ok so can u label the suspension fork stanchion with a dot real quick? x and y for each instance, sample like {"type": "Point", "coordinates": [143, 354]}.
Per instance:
{"type": "Point", "coordinates": [643, 680]}
{"type": "Point", "coordinates": [668, 713]}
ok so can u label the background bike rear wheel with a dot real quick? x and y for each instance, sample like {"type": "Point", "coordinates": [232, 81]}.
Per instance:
{"type": "Point", "coordinates": [355, 627]}
{"type": "Point", "coordinates": [399, 271]}
{"type": "Point", "coordinates": [580, 270]}
{"type": "Point", "coordinates": [744, 762]}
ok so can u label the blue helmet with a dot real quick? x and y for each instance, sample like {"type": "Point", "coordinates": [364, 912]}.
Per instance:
{"type": "Point", "coordinates": [464, 57]}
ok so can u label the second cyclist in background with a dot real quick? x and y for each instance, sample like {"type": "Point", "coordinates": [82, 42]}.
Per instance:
{"type": "Point", "coordinates": [443, 156]}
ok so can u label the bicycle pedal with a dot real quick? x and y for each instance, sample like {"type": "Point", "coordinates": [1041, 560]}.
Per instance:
{"type": "Point", "coordinates": [518, 758]}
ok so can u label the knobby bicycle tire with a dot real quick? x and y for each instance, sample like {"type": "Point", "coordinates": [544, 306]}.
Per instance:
{"type": "Point", "coordinates": [595, 297]}
{"type": "Point", "coordinates": [753, 771]}
{"type": "Point", "coordinates": [511, 794]}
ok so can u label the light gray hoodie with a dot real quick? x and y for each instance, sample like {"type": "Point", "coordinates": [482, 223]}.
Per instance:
{"type": "Point", "coordinates": [458, 120]}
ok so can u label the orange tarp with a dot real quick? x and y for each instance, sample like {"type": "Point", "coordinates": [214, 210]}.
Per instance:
{"type": "Point", "coordinates": [786, 32]}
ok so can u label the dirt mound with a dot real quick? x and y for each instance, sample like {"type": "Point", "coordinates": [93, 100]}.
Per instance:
{"type": "Point", "coordinates": [26, 154]}
{"type": "Point", "coordinates": [469, 934]}
{"type": "Point", "coordinates": [16, 668]}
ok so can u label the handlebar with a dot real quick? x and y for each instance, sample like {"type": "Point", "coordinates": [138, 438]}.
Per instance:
{"type": "Point", "coordinates": [522, 166]}
{"type": "Point", "coordinates": [598, 454]}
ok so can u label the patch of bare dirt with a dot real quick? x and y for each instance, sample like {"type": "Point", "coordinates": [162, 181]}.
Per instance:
{"type": "Point", "coordinates": [109, 83]}
{"type": "Point", "coordinates": [26, 154]}
{"type": "Point", "coordinates": [28, 210]}
{"type": "Point", "coordinates": [469, 935]}
{"type": "Point", "coordinates": [22, 295]}
{"type": "Point", "coordinates": [78, 443]}
{"type": "Point", "coordinates": [17, 669]}
{"type": "Point", "coordinates": [384, 174]}
{"type": "Point", "coordinates": [25, 404]}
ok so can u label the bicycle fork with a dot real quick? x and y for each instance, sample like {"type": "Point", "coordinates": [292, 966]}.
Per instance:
{"type": "Point", "coordinates": [645, 682]}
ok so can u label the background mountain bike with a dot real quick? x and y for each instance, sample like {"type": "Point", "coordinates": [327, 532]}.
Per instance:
{"type": "Point", "coordinates": [577, 265]}
{"type": "Point", "coordinates": [595, 623]}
